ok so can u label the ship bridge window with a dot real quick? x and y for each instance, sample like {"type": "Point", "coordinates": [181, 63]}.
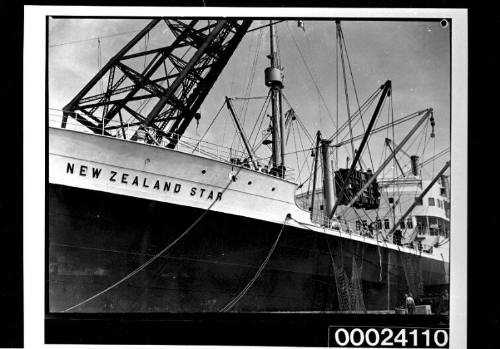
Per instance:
{"type": "Point", "coordinates": [432, 202]}
{"type": "Point", "coordinates": [433, 226]}
{"type": "Point", "coordinates": [386, 224]}
{"type": "Point", "coordinates": [402, 224]}
{"type": "Point", "coordinates": [365, 224]}
{"type": "Point", "coordinates": [421, 228]}
{"type": "Point", "coordinates": [409, 223]}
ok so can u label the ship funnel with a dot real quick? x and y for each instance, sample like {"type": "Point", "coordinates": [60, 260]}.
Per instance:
{"type": "Point", "coordinates": [328, 193]}
{"type": "Point", "coordinates": [445, 184]}
{"type": "Point", "coordinates": [414, 164]}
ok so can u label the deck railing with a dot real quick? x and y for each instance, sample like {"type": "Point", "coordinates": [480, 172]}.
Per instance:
{"type": "Point", "coordinates": [184, 143]}
{"type": "Point", "coordinates": [344, 227]}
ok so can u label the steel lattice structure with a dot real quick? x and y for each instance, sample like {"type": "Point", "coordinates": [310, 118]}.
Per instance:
{"type": "Point", "coordinates": [159, 89]}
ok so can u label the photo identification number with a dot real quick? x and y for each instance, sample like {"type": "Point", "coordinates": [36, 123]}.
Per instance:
{"type": "Point", "coordinates": [388, 337]}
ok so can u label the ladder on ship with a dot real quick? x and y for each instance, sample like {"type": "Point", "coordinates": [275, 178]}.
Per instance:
{"type": "Point", "coordinates": [349, 290]}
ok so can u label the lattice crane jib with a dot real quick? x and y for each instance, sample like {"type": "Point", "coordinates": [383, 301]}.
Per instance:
{"type": "Point", "coordinates": [158, 80]}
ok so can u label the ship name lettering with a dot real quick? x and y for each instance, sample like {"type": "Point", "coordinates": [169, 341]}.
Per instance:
{"type": "Point", "coordinates": [202, 190]}
{"type": "Point", "coordinates": [166, 186]}
{"type": "Point", "coordinates": [96, 172]}
{"type": "Point", "coordinates": [83, 170]}
{"type": "Point", "coordinates": [113, 174]}
{"type": "Point", "coordinates": [135, 181]}
{"type": "Point", "coordinates": [70, 168]}
{"type": "Point", "coordinates": [123, 177]}
{"type": "Point", "coordinates": [177, 188]}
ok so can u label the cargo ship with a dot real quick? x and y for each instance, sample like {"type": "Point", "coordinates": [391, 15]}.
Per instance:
{"type": "Point", "coordinates": [142, 218]}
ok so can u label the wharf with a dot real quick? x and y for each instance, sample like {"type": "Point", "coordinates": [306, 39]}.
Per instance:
{"type": "Point", "coordinates": [255, 329]}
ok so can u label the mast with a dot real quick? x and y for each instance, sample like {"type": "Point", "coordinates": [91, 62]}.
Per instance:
{"type": "Point", "coordinates": [242, 133]}
{"type": "Point", "coordinates": [316, 151]}
{"type": "Point", "coordinates": [323, 145]}
{"type": "Point", "coordinates": [274, 80]}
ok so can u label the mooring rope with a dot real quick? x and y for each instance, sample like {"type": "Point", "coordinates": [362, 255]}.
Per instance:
{"type": "Point", "coordinates": [379, 261]}
{"type": "Point", "coordinates": [240, 295]}
{"type": "Point", "coordinates": [155, 257]}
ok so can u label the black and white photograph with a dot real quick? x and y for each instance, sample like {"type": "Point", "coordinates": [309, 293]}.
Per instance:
{"type": "Point", "coordinates": [252, 170]}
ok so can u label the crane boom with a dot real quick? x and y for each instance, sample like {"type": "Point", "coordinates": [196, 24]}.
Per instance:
{"type": "Point", "coordinates": [161, 88]}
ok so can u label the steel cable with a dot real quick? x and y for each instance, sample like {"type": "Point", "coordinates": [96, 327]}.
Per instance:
{"type": "Point", "coordinates": [240, 295]}
{"type": "Point", "coordinates": [155, 257]}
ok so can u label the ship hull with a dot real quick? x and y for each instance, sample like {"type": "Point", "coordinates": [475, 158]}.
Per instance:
{"type": "Point", "coordinates": [96, 238]}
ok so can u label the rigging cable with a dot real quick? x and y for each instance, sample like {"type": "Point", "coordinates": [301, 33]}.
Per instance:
{"type": "Point", "coordinates": [94, 38]}
{"type": "Point", "coordinates": [312, 77]}
{"type": "Point", "coordinates": [266, 25]}
{"type": "Point", "coordinates": [434, 153]}
{"type": "Point", "coordinates": [99, 63]}
{"type": "Point", "coordinates": [337, 97]}
{"type": "Point", "coordinates": [246, 93]}
{"type": "Point", "coordinates": [156, 256]}
{"type": "Point", "coordinates": [346, 91]}
{"type": "Point", "coordinates": [253, 69]}
{"type": "Point", "coordinates": [262, 113]}
{"type": "Point", "coordinates": [364, 107]}
{"type": "Point", "coordinates": [296, 154]}
{"type": "Point", "coordinates": [302, 145]}
{"type": "Point", "coordinates": [215, 118]}
{"type": "Point", "coordinates": [306, 132]}
{"type": "Point", "coordinates": [383, 127]}
{"type": "Point", "coordinates": [375, 130]}
{"type": "Point", "coordinates": [242, 293]}
{"type": "Point", "coordinates": [379, 260]}
{"type": "Point", "coordinates": [354, 88]}
{"type": "Point", "coordinates": [146, 41]}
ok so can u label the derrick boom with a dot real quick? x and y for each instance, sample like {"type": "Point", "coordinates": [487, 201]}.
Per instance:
{"type": "Point", "coordinates": [161, 87]}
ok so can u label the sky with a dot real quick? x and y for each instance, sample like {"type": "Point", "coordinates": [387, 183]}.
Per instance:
{"type": "Point", "coordinates": [414, 55]}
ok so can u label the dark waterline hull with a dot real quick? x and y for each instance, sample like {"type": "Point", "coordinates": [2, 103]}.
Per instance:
{"type": "Point", "coordinates": [96, 238]}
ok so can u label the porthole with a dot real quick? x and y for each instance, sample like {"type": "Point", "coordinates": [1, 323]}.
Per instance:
{"type": "Point", "coordinates": [249, 182]}
{"type": "Point", "coordinates": [204, 171]}
{"type": "Point", "coordinates": [273, 189]}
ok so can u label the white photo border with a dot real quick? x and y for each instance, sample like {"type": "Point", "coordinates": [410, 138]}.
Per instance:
{"type": "Point", "coordinates": [34, 62]}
